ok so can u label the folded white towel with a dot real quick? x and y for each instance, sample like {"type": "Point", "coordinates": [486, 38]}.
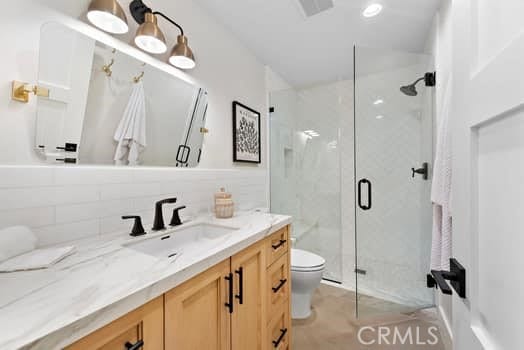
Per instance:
{"type": "Point", "coordinates": [131, 131]}
{"type": "Point", "coordinates": [16, 240]}
{"type": "Point", "coordinates": [36, 259]}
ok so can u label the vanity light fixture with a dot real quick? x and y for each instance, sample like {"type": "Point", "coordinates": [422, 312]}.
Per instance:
{"type": "Point", "coordinates": [108, 15]}
{"type": "Point", "coordinates": [150, 38]}
{"type": "Point", "coordinates": [378, 102]}
{"type": "Point", "coordinates": [372, 10]}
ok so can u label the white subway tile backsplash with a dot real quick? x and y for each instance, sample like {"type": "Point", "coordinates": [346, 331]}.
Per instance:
{"type": "Point", "coordinates": [94, 210]}
{"type": "Point", "coordinates": [84, 175]}
{"type": "Point", "coordinates": [32, 217]}
{"type": "Point", "coordinates": [67, 203]}
{"type": "Point", "coordinates": [118, 191]}
{"type": "Point", "coordinates": [61, 233]}
{"type": "Point", "coordinates": [11, 176]}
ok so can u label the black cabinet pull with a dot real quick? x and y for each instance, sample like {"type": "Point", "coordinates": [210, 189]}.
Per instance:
{"type": "Point", "coordinates": [240, 295]}
{"type": "Point", "coordinates": [279, 244]}
{"type": "Point", "coordinates": [281, 284]}
{"type": "Point", "coordinates": [359, 194]}
{"type": "Point", "coordinates": [277, 342]}
{"type": "Point", "coordinates": [138, 345]}
{"type": "Point", "coordinates": [229, 304]}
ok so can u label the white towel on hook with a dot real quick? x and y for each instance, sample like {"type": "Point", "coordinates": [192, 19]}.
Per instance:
{"type": "Point", "coordinates": [131, 131]}
{"type": "Point", "coordinates": [441, 190]}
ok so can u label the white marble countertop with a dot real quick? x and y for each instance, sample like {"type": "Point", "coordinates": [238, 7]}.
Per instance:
{"type": "Point", "coordinates": [49, 309]}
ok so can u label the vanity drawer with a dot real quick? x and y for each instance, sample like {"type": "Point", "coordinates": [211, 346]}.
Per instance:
{"type": "Point", "coordinates": [141, 326]}
{"type": "Point", "coordinates": [277, 245]}
{"type": "Point", "coordinates": [279, 331]}
{"type": "Point", "coordinates": [278, 285]}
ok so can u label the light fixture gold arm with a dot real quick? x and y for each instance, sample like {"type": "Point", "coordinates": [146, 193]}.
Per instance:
{"type": "Point", "coordinates": [204, 130]}
{"type": "Point", "coordinates": [20, 91]}
{"type": "Point", "coordinates": [138, 78]}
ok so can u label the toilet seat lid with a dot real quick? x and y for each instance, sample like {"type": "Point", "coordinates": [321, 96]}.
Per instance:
{"type": "Point", "coordinates": [301, 259]}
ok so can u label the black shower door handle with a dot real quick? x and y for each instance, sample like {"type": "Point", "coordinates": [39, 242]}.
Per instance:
{"type": "Point", "coordinates": [359, 193]}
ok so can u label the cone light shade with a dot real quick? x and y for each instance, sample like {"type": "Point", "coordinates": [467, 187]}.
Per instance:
{"type": "Point", "coordinates": [108, 15]}
{"type": "Point", "coordinates": [181, 55]}
{"type": "Point", "coordinates": [149, 37]}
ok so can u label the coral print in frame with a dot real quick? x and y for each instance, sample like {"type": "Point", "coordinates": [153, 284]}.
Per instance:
{"type": "Point", "coordinates": [246, 134]}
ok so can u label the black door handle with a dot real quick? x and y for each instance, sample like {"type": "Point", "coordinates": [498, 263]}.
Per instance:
{"type": "Point", "coordinates": [279, 244]}
{"type": "Point", "coordinates": [138, 345]}
{"type": "Point", "coordinates": [280, 285]}
{"type": "Point", "coordinates": [229, 304]}
{"type": "Point", "coordinates": [359, 194]}
{"type": "Point", "coordinates": [277, 342]}
{"type": "Point", "coordinates": [240, 295]}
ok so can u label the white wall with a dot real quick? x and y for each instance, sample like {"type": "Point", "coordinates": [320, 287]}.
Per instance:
{"type": "Point", "coordinates": [225, 68]}
{"type": "Point", "coordinates": [62, 203]}
{"type": "Point", "coordinates": [440, 45]}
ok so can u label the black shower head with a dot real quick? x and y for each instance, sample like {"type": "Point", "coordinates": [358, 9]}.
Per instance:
{"type": "Point", "coordinates": [411, 90]}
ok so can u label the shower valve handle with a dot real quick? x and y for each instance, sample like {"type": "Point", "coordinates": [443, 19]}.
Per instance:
{"type": "Point", "coordinates": [422, 171]}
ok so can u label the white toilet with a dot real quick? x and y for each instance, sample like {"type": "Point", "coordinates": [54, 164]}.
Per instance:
{"type": "Point", "coordinates": [306, 273]}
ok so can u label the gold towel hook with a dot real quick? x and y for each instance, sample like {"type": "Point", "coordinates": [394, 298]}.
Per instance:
{"type": "Point", "coordinates": [138, 78]}
{"type": "Point", "coordinates": [106, 68]}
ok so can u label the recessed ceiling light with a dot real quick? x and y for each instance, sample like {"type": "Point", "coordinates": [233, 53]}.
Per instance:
{"type": "Point", "coordinates": [372, 10]}
{"type": "Point", "coordinates": [378, 102]}
{"type": "Point", "coordinates": [379, 116]}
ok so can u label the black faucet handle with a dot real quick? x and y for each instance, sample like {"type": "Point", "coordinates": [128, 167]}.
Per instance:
{"type": "Point", "coordinates": [175, 219]}
{"type": "Point", "coordinates": [167, 201]}
{"type": "Point", "coordinates": [138, 228]}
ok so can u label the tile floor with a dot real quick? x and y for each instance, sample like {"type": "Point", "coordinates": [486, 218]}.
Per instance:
{"type": "Point", "coordinates": [333, 325]}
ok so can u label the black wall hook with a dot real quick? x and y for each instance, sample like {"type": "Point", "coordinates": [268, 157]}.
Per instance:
{"type": "Point", "coordinates": [456, 275]}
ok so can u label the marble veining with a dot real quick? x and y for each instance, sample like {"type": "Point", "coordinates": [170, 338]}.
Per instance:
{"type": "Point", "coordinates": [49, 309]}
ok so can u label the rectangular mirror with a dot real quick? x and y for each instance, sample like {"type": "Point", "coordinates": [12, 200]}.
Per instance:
{"type": "Point", "coordinates": [106, 107]}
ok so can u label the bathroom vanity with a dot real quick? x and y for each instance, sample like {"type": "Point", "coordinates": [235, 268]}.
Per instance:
{"type": "Point", "coordinates": [227, 286]}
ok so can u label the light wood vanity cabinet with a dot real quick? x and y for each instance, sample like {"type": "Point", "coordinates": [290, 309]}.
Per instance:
{"type": "Point", "coordinates": [195, 312]}
{"type": "Point", "coordinates": [242, 303]}
{"type": "Point", "coordinates": [141, 329]}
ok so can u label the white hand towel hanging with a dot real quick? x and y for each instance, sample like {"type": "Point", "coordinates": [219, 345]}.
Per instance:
{"type": "Point", "coordinates": [131, 131]}
{"type": "Point", "coordinates": [441, 195]}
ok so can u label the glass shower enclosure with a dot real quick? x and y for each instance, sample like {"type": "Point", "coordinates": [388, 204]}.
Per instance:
{"type": "Point", "coordinates": [342, 156]}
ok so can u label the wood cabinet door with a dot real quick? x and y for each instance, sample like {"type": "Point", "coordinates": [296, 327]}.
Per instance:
{"type": "Point", "coordinates": [248, 320]}
{"type": "Point", "coordinates": [144, 325]}
{"type": "Point", "coordinates": [196, 315]}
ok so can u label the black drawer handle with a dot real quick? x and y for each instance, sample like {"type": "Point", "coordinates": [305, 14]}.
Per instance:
{"type": "Point", "coordinates": [135, 346]}
{"type": "Point", "coordinates": [229, 304]}
{"type": "Point", "coordinates": [277, 288]}
{"type": "Point", "coordinates": [279, 244]}
{"type": "Point", "coordinates": [240, 295]}
{"type": "Point", "coordinates": [277, 342]}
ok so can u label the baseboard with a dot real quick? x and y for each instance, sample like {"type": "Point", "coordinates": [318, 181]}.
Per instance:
{"type": "Point", "coordinates": [445, 321]}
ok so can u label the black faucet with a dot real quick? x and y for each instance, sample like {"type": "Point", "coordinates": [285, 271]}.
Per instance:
{"type": "Point", "coordinates": [138, 229]}
{"type": "Point", "coordinates": [158, 223]}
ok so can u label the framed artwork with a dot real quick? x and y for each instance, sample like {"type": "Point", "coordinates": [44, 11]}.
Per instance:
{"type": "Point", "coordinates": [246, 134]}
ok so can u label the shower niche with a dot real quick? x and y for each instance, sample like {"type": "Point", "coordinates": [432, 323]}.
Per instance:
{"type": "Point", "coordinates": [106, 106]}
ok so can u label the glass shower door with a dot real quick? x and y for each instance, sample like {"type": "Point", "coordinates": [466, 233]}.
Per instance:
{"type": "Point", "coordinates": [393, 152]}
{"type": "Point", "coordinates": [305, 170]}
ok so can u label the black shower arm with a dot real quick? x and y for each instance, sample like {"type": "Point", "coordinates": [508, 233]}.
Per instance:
{"type": "Point", "coordinates": [173, 22]}
{"type": "Point", "coordinates": [419, 79]}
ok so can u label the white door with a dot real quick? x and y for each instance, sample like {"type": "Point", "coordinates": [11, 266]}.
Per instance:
{"type": "Point", "coordinates": [488, 172]}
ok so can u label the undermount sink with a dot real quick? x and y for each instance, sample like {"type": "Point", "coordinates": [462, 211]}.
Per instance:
{"type": "Point", "coordinates": [193, 237]}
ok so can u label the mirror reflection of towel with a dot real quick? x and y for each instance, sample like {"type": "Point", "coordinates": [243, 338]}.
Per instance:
{"type": "Point", "coordinates": [131, 131]}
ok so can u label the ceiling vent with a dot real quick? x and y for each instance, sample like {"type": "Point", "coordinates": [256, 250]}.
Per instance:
{"type": "Point", "coordinates": [314, 7]}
